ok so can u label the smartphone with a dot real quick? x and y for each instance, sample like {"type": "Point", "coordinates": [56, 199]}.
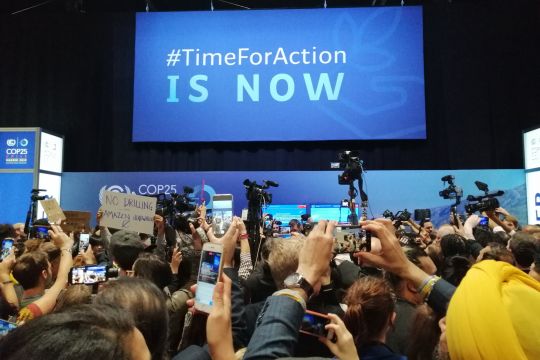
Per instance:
{"type": "Point", "coordinates": [40, 232]}
{"type": "Point", "coordinates": [84, 240]}
{"type": "Point", "coordinates": [209, 273]}
{"type": "Point", "coordinates": [6, 326]}
{"type": "Point", "coordinates": [88, 275]}
{"type": "Point", "coordinates": [349, 239]}
{"type": "Point", "coordinates": [7, 244]}
{"type": "Point", "coordinates": [222, 213]}
{"type": "Point", "coordinates": [284, 229]}
{"type": "Point", "coordinates": [313, 323]}
{"type": "Point", "coordinates": [484, 222]}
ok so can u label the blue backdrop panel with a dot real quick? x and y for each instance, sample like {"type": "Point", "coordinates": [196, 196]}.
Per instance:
{"type": "Point", "coordinates": [394, 190]}
{"type": "Point", "coordinates": [15, 196]}
{"type": "Point", "coordinates": [283, 75]}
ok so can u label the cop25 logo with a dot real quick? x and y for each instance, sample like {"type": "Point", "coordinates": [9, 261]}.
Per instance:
{"type": "Point", "coordinates": [114, 188]}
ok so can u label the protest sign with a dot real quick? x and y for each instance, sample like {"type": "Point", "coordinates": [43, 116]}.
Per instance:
{"type": "Point", "coordinates": [53, 210]}
{"type": "Point", "coordinates": [128, 212]}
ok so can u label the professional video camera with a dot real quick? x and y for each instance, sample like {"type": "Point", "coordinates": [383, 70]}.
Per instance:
{"type": "Point", "coordinates": [256, 195]}
{"type": "Point", "coordinates": [257, 192]}
{"type": "Point", "coordinates": [353, 169]}
{"type": "Point", "coordinates": [486, 202]}
{"type": "Point", "coordinates": [398, 218]}
{"type": "Point", "coordinates": [452, 191]}
{"type": "Point", "coordinates": [179, 209]}
{"type": "Point", "coordinates": [352, 165]}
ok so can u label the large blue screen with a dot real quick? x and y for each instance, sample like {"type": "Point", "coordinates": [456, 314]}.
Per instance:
{"type": "Point", "coordinates": [279, 75]}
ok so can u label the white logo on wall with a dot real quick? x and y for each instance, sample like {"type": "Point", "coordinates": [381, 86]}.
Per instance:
{"type": "Point", "coordinates": [23, 142]}
{"type": "Point", "coordinates": [114, 188]}
{"type": "Point", "coordinates": [11, 142]}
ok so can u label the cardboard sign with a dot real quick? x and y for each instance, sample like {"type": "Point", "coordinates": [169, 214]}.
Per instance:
{"type": "Point", "coordinates": [128, 212]}
{"type": "Point", "coordinates": [76, 221]}
{"type": "Point", "coordinates": [53, 210]}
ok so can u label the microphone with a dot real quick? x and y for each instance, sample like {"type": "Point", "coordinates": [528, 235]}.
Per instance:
{"type": "Point", "coordinates": [271, 183]}
{"type": "Point", "coordinates": [37, 190]}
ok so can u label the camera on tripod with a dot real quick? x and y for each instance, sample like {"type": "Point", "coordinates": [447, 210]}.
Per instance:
{"type": "Point", "coordinates": [452, 191]}
{"type": "Point", "coordinates": [352, 165]}
{"type": "Point", "coordinates": [486, 202]}
{"type": "Point", "coordinates": [256, 192]}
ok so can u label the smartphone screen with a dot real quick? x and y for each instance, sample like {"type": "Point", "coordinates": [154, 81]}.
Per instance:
{"type": "Point", "coordinates": [313, 324]}
{"type": "Point", "coordinates": [351, 239]}
{"type": "Point", "coordinates": [6, 326]}
{"type": "Point", "coordinates": [41, 232]}
{"type": "Point", "coordinates": [84, 240]}
{"type": "Point", "coordinates": [7, 244]}
{"type": "Point", "coordinates": [484, 221]}
{"type": "Point", "coordinates": [208, 276]}
{"type": "Point", "coordinates": [88, 275]}
{"type": "Point", "coordinates": [222, 213]}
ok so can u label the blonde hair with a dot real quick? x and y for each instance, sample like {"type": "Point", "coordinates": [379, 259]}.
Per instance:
{"type": "Point", "coordinates": [283, 258]}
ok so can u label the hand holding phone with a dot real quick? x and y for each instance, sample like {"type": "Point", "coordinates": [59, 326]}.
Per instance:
{"type": "Point", "coordinates": [314, 324]}
{"type": "Point", "coordinates": [84, 241]}
{"type": "Point", "coordinates": [222, 213]}
{"type": "Point", "coordinates": [351, 239]}
{"type": "Point", "coordinates": [342, 345]}
{"type": "Point", "coordinates": [209, 273]}
{"type": "Point", "coordinates": [89, 275]}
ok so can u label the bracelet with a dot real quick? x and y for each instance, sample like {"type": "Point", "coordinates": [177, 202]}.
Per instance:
{"type": "Point", "coordinates": [7, 282]}
{"type": "Point", "coordinates": [293, 295]}
{"type": "Point", "coordinates": [66, 249]}
{"type": "Point", "coordinates": [244, 236]}
{"type": "Point", "coordinates": [428, 286]}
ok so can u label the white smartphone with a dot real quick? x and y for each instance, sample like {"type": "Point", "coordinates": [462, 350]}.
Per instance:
{"type": "Point", "coordinates": [222, 213]}
{"type": "Point", "coordinates": [209, 273]}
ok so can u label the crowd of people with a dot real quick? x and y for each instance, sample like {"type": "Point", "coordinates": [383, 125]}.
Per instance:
{"type": "Point", "coordinates": [459, 291]}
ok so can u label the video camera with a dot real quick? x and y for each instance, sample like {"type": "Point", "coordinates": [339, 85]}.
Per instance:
{"type": "Point", "coordinates": [178, 208]}
{"type": "Point", "coordinates": [352, 165]}
{"type": "Point", "coordinates": [486, 202]}
{"type": "Point", "coordinates": [256, 192]}
{"type": "Point", "coordinates": [452, 191]}
{"type": "Point", "coordinates": [399, 217]}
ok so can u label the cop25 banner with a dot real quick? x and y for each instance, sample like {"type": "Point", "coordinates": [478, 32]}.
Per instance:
{"type": "Point", "coordinates": [17, 149]}
{"type": "Point", "coordinates": [393, 190]}
{"type": "Point", "coordinates": [279, 75]}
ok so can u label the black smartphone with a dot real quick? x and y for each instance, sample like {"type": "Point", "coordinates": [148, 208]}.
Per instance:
{"type": "Point", "coordinates": [40, 232]}
{"type": "Point", "coordinates": [88, 275]}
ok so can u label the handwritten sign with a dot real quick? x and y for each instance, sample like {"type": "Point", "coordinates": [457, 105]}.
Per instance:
{"type": "Point", "coordinates": [76, 221]}
{"type": "Point", "coordinates": [53, 210]}
{"type": "Point", "coordinates": [128, 212]}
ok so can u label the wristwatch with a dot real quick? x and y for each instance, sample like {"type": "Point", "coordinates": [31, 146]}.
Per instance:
{"type": "Point", "coordinates": [296, 280]}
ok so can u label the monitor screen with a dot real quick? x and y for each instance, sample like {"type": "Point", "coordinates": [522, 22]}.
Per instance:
{"type": "Point", "coordinates": [51, 152]}
{"type": "Point", "coordinates": [334, 212]}
{"type": "Point", "coordinates": [285, 213]}
{"type": "Point", "coordinates": [321, 74]}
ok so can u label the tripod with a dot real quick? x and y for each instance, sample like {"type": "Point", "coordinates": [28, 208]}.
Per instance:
{"type": "Point", "coordinates": [32, 209]}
